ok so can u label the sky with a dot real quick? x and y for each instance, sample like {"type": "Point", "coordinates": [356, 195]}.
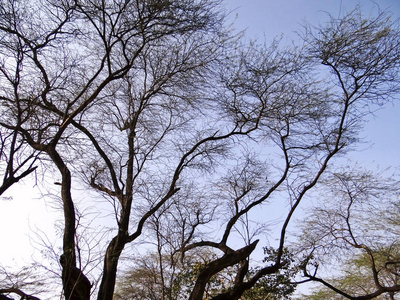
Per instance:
{"type": "Point", "coordinates": [266, 19]}
{"type": "Point", "coordinates": [271, 18]}
{"type": "Point", "coordinates": [263, 19]}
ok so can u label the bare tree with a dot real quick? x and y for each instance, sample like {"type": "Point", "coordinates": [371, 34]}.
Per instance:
{"type": "Point", "coordinates": [310, 119]}
{"type": "Point", "coordinates": [161, 112]}
{"type": "Point", "coordinates": [274, 94]}
{"type": "Point", "coordinates": [28, 278]}
{"type": "Point", "coordinates": [66, 55]}
{"type": "Point", "coordinates": [17, 161]}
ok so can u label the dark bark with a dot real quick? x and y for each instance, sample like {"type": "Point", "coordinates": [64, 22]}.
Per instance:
{"type": "Point", "coordinates": [116, 246]}
{"type": "Point", "coordinates": [114, 250]}
{"type": "Point", "coordinates": [240, 287]}
{"type": "Point", "coordinates": [17, 292]}
{"type": "Point", "coordinates": [75, 283]}
{"type": "Point", "coordinates": [229, 259]}
{"type": "Point", "coordinates": [7, 183]}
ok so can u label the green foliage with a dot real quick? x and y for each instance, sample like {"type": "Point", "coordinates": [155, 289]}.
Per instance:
{"type": "Point", "coordinates": [144, 280]}
{"type": "Point", "coordinates": [274, 286]}
{"type": "Point", "coordinates": [357, 279]}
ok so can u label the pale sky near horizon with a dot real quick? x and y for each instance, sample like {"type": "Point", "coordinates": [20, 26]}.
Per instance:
{"type": "Point", "coordinates": [263, 19]}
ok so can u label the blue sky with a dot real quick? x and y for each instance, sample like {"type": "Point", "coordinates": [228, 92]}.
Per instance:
{"type": "Point", "coordinates": [266, 19]}
{"type": "Point", "coordinates": [284, 16]}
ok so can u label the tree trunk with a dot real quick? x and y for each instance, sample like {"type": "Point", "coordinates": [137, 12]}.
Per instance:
{"type": "Point", "coordinates": [216, 266]}
{"type": "Point", "coordinates": [114, 250]}
{"type": "Point", "coordinates": [75, 283]}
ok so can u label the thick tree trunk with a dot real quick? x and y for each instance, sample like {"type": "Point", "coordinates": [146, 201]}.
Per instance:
{"type": "Point", "coordinates": [114, 250]}
{"type": "Point", "coordinates": [75, 283]}
{"type": "Point", "coordinates": [116, 246]}
{"type": "Point", "coordinates": [216, 266]}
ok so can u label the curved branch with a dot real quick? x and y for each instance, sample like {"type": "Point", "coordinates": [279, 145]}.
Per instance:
{"type": "Point", "coordinates": [212, 268]}
{"type": "Point", "coordinates": [18, 292]}
{"type": "Point", "coordinates": [379, 291]}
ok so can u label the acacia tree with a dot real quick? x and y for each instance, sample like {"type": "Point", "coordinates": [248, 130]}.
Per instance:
{"type": "Point", "coordinates": [17, 161]}
{"type": "Point", "coordinates": [359, 232]}
{"type": "Point", "coordinates": [66, 53]}
{"type": "Point", "coordinates": [310, 120]}
{"type": "Point", "coordinates": [157, 109]}
{"type": "Point", "coordinates": [357, 278]}
{"type": "Point", "coordinates": [16, 283]}
{"type": "Point", "coordinates": [171, 277]}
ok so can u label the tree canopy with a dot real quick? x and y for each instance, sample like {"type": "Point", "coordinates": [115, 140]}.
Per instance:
{"type": "Point", "coordinates": [359, 233]}
{"type": "Point", "coordinates": [182, 135]}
